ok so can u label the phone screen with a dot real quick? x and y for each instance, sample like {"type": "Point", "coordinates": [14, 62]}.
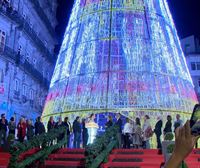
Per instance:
{"type": "Point", "coordinates": [195, 121]}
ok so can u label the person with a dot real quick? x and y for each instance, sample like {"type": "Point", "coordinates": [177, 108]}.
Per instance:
{"type": "Point", "coordinates": [21, 130]}
{"type": "Point", "coordinates": [168, 125]}
{"type": "Point", "coordinates": [147, 132]}
{"type": "Point", "coordinates": [58, 125]}
{"type": "Point", "coordinates": [119, 133]}
{"type": "Point", "coordinates": [109, 122]}
{"type": "Point", "coordinates": [84, 133]}
{"type": "Point", "coordinates": [30, 130]}
{"type": "Point", "coordinates": [77, 132]}
{"type": "Point", "coordinates": [127, 132]}
{"type": "Point", "coordinates": [137, 135]}
{"type": "Point", "coordinates": [51, 124]}
{"type": "Point", "coordinates": [92, 129]}
{"type": "Point", "coordinates": [67, 124]}
{"type": "Point", "coordinates": [158, 132]}
{"type": "Point", "coordinates": [184, 144]}
{"type": "Point", "coordinates": [36, 126]}
{"type": "Point", "coordinates": [39, 127]}
{"type": "Point", "coordinates": [178, 122]}
{"type": "Point", "coordinates": [12, 126]}
{"type": "Point", "coordinates": [3, 129]}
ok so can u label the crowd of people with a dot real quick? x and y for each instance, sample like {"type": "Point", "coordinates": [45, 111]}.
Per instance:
{"type": "Point", "coordinates": [131, 134]}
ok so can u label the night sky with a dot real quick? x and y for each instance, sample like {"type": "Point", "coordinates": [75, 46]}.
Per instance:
{"type": "Point", "coordinates": [186, 15]}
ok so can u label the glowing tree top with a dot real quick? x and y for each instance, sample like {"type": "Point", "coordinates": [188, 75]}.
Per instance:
{"type": "Point", "coordinates": [120, 55]}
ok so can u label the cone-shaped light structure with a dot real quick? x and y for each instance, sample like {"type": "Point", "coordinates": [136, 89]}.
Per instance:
{"type": "Point", "coordinates": [120, 55]}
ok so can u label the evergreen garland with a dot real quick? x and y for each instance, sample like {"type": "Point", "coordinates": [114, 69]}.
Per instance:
{"type": "Point", "coordinates": [43, 142]}
{"type": "Point", "coordinates": [97, 152]}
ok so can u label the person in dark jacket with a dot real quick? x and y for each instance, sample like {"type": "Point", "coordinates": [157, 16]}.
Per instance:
{"type": "Point", "coordinates": [168, 125]}
{"type": "Point", "coordinates": [85, 133]}
{"type": "Point", "coordinates": [178, 122]}
{"type": "Point", "coordinates": [68, 126]}
{"type": "Point", "coordinates": [59, 125]}
{"type": "Point", "coordinates": [158, 132]}
{"type": "Point", "coordinates": [110, 122]}
{"type": "Point", "coordinates": [39, 126]}
{"type": "Point", "coordinates": [12, 126]}
{"type": "Point", "coordinates": [77, 132]}
{"type": "Point", "coordinates": [51, 124]}
{"type": "Point", "coordinates": [3, 129]}
{"type": "Point", "coordinates": [30, 130]}
{"type": "Point", "coordinates": [119, 134]}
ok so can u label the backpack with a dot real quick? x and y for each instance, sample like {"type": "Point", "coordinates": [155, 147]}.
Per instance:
{"type": "Point", "coordinates": [148, 132]}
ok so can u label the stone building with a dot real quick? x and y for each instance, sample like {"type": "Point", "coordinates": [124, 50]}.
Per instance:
{"type": "Point", "coordinates": [27, 59]}
{"type": "Point", "coordinates": [191, 48]}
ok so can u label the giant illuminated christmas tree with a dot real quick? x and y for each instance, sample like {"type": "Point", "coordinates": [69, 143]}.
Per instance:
{"type": "Point", "coordinates": [120, 56]}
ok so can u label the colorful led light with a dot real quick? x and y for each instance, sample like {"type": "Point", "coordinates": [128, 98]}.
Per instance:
{"type": "Point", "coordinates": [120, 55]}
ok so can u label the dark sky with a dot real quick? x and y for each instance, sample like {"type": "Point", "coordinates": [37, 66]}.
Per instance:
{"type": "Point", "coordinates": [186, 15]}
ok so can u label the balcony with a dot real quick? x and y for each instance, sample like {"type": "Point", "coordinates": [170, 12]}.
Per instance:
{"type": "Point", "coordinates": [43, 17]}
{"type": "Point", "coordinates": [24, 26]}
{"type": "Point", "coordinates": [26, 66]}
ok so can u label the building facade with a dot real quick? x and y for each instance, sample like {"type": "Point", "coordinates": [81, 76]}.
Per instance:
{"type": "Point", "coordinates": [27, 59]}
{"type": "Point", "coordinates": [191, 48]}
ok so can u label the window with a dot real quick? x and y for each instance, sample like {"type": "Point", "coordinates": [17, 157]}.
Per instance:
{"type": "Point", "coordinates": [31, 94]}
{"type": "Point", "coordinates": [198, 65]}
{"type": "Point", "coordinates": [187, 48]}
{"type": "Point", "coordinates": [19, 49]}
{"type": "Point", "coordinates": [24, 90]}
{"type": "Point", "coordinates": [2, 40]}
{"type": "Point", "coordinates": [199, 82]}
{"type": "Point", "coordinates": [34, 62]}
{"type": "Point", "coordinates": [16, 85]}
{"type": "Point", "coordinates": [1, 76]}
{"type": "Point", "coordinates": [195, 66]}
{"type": "Point", "coordinates": [27, 57]}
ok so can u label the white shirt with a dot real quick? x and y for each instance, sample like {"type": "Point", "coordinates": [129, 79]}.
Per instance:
{"type": "Point", "coordinates": [128, 128]}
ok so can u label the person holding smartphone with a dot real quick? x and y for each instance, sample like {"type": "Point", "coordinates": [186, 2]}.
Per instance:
{"type": "Point", "coordinates": [184, 145]}
{"type": "Point", "coordinates": [186, 138]}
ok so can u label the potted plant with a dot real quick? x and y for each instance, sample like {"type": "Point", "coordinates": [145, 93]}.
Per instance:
{"type": "Point", "coordinates": [170, 149]}
{"type": "Point", "coordinates": [168, 140]}
{"type": "Point", "coordinates": [10, 140]}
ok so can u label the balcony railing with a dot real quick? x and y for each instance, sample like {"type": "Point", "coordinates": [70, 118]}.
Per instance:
{"type": "Point", "coordinates": [23, 24]}
{"type": "Point", "coordinates": [26, 66]}
{"type": "Point", "coordinates": [43, 16]}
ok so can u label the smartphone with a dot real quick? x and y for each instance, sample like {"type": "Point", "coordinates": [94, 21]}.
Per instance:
{"type": "Point", "coordinates": [195, 121]}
